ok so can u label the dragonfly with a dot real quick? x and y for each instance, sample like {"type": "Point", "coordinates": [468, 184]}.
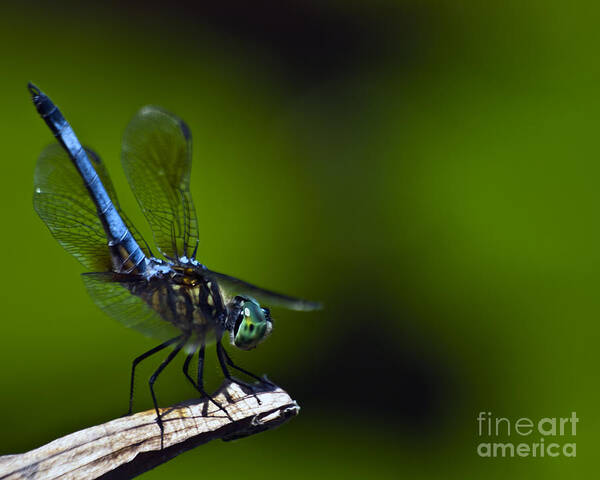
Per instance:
{"type": "Point", "coordinates": [171, 297]}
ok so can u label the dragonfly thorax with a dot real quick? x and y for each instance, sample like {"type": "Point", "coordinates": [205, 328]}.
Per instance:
{"type": "Point", "coordinates": [184, 296]}
{"type": "Point", "coordinates": [184, 293]}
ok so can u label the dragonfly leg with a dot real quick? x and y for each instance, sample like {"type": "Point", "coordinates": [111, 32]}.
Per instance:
{"type": "Point", "coordinates": [186, 367]}
{"type": "Point", "coordinates": [223, 362]}
{"type": "Point", "coordinates": [201, 366]}
{"type": "Point", "coordinates": [200, 385]}
{"type": "Point", "coordinates": [250, 374]}
{"type": "Point", "coordinates": [143, 357]}
{"type": "Point", "coordinates": [161, 367]}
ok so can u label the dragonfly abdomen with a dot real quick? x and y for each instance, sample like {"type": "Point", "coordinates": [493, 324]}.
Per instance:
{"type": "Point", "coordinates": [120, 240]}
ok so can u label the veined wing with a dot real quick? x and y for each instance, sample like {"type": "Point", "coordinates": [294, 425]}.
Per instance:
{"type": "Point", "coordinates": [109, 292]}
{"type": "Point", "coordinates": [234, 286]}
{"type": "Point", "coordinates": [64, 204]}
{"type": "Point", "coordinates": [157, 159]}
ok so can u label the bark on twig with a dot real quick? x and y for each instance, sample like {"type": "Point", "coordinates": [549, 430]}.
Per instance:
{"type": "Point", "coordinates": [126, 447]}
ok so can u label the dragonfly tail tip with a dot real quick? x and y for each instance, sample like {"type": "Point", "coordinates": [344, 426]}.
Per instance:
{"type": "Point", "coordinates": [35, 91]}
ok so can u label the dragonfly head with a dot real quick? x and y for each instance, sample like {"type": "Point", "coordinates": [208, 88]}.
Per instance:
{"type": "Point", "coordinates": [252, 323]}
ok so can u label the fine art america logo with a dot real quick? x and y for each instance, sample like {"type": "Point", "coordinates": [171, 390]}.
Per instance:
{"type": "Point", "coordinates": [544, 437]}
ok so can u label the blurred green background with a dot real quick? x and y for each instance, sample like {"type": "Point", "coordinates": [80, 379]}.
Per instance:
{"type": "Point", "coordinates": [428, 170]}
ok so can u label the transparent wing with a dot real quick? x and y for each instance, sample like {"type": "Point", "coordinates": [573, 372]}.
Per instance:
{"type": "Point", "coordinates": [157, 159]}
{"type": "Point", "coordinates": [234, 286]}
{"type": "Point", "coordinates": [63, 203]}
{"type": "Point", "coordinates": [110, 293]}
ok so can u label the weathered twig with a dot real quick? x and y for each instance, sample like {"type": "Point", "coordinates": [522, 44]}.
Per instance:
{"type": "Point", "coordinates": [128, 446]}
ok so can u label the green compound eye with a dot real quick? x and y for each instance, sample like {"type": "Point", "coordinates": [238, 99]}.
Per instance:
{"type": "Point", "coordinates": [253, 325]}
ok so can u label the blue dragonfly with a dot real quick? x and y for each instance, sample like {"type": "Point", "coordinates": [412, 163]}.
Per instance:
{"type": "Point", "coordinates": [174, 299]}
